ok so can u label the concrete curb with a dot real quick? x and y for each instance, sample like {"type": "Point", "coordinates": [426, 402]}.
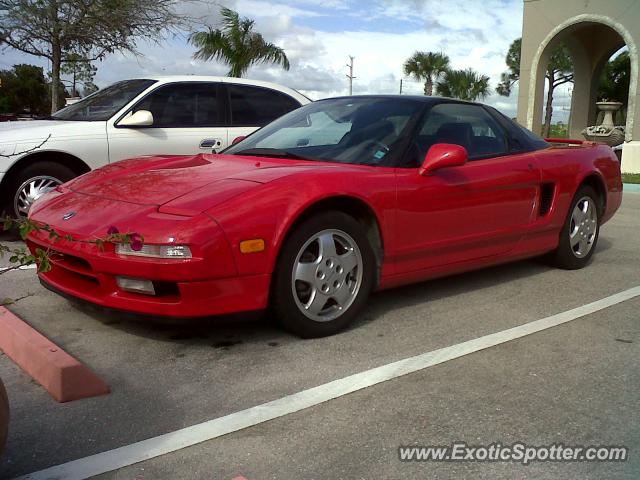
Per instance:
{"type": "Point", "coordinates": [631, 187]}
{"type": "Point", "coordinates": [64, 377]}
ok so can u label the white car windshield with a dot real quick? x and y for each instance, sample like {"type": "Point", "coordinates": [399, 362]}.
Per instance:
{"type": "Point", "coordinates": [105, 103]}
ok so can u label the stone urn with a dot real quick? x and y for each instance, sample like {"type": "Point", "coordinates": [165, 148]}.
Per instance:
{"type": "Point", "coordinates": [4, 417]}
{"type": "Point", "coordinates": [609, 108]}
{"type": "Point", "coordinates": [606, 132]}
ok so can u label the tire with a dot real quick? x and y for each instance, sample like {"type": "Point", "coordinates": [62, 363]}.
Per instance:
{"type": "Point", "coordinates": [4, 417]}
{"type": "Point", "coordinates": [579, 234]}
{"type": "Point", "coordinates": [339, 280]}
{"type": "Point", "coordinates": [43, 176]}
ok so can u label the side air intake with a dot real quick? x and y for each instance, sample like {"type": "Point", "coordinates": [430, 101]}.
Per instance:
{"type": "Point", "coordinates": [546, 197]}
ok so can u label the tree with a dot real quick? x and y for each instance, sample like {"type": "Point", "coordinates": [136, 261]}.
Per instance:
{"type": "Point", "coordinates": [615, 79]}
{"type": "Point", "coordinates": [80, 70]}
{"type": "Point", "coordinates": [428, 67]}
{"type": "Point", "coordinates": [237, 45]}
{"type": "Point", "coordinates": [8, 98]}
{"type": "Point", "coordinates": [512, 75]}
{"type": "Point", "coordinates": [62, 93]}
{"type": "Point", "coordinates": [559, 72]}
{"type": "Point", "coordinates": [464, 84]}
{"type": "Point", "coordinates": [23, 89]}
{"type": "Point", "coordinates": [89, 88]}
{"type": "Point", "coordinates": [56, 29]}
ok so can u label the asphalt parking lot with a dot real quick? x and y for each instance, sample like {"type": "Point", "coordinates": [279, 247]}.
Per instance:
{"type": "Point", "coordinates": [577, 383]}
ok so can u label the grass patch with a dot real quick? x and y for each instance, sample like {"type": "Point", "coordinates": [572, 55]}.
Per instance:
{"type": "Point", "coordinates": [631, 177]}
{"type": "Point", "coordinates": [558, 131]}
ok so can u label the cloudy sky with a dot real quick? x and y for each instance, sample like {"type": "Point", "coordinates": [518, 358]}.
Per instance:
{"type": "Point", "coordinates": [319, 35]}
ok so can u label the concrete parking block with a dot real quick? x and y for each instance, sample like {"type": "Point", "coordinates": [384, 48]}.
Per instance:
{"type": "Point", "coordinates": [64, 377]}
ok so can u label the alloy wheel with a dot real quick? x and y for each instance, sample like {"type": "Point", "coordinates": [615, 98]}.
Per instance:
{"type": "Point", "coordinates": [583, 227]}
{"type": "Point", "coordinates": [30, 191]}
{"type": "Point", "coordinates": [327, 275]}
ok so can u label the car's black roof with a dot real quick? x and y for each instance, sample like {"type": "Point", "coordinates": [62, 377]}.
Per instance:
{"type": "Point", "coordinates": [417, 98]}
{"type": "Point", "coordinates": [527, 139]}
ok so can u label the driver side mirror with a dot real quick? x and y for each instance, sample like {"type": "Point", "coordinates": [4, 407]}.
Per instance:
{"type": "Point", "coordinates": [443, 155]}
{"type": "Point", "coordinates": [141, 118]}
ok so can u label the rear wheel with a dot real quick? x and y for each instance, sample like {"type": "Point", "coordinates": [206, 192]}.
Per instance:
{"type": "Point", "coordinates": [579, 234]}
{"type": "Point", "coordinates": [324, 275]}
{"type": "Point", "coordinates": [25, 187]}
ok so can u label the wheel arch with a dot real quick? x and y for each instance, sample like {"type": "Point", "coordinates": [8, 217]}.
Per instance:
{"type": "Point", "coordinates": [77, 165]}
{"type": "Point", "coordinates": [74, 163]}
{"type": "Point", "coordinates": [595, 181]}
{"type": "Point", "coordinates": [354, 206]}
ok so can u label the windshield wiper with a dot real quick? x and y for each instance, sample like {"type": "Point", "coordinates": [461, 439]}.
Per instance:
{"type": "Point", "coordinates": [272, 152]}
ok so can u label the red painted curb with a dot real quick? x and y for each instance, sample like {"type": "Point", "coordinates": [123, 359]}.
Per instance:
{"type": "Point", "coordinates": [64, 377]}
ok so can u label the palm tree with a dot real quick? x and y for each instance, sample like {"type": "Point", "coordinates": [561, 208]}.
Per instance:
{"type": "Point", "coordinates": [464, 84]}
{"type": "Point", "coordinates": [427, 67]}
{"type": "Point", "coordinates": [236, 44]}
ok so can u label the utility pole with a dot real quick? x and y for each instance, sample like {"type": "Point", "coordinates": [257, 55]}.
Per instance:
{"type": "Point", "coordinates": [400, 86]}
{"type": "Point", "coordinates": [350, 76]}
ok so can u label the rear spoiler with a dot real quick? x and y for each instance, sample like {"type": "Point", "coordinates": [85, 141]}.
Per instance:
{"type": "Point", "coordinates": [569, 141]}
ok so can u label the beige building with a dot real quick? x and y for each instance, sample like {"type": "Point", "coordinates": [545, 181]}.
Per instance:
{"type": "Point", "coordinates": [593, 30]}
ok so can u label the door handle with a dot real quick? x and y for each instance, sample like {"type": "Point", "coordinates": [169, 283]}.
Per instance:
{"type": "Point", "coordinates": [210, 143]}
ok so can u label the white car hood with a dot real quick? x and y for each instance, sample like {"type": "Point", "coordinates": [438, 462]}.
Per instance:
{"type": "Point", "coordinates": [38, 130]}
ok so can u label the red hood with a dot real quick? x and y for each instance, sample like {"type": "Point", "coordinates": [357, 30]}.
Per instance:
{"type": "Point", "coordinates": [159, 180]}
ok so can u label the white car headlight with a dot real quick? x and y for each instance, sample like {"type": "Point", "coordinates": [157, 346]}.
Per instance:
{"type": "Point", "coordinates": [156, 251]}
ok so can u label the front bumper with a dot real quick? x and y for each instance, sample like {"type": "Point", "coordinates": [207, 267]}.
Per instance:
{"type": "Point", "coordinates": [81, 271]}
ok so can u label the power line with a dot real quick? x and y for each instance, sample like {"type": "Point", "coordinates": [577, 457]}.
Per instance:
{"type": "Point", "coordinates": [350, 76]}
{"type": "Point", "coordinates": [410, 87]}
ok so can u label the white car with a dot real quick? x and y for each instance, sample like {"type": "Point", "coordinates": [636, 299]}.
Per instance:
{"type": "Point", "coordinates": [146, 116]}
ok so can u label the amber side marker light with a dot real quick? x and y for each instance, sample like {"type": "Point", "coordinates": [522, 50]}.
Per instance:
{"type": "Point", "coordinates": [252, 246]}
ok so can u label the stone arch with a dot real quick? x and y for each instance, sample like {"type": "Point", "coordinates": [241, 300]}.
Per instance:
{"type": "Point", "coordinates": [588, 58]}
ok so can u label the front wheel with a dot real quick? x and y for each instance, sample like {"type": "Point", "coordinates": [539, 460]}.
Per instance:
{"type": "Point", "coordinates": [323, 276]}
{"type": "Point", "coordinates": [31, 183]}
{"type": "Point", "coordinates": [579, 234]}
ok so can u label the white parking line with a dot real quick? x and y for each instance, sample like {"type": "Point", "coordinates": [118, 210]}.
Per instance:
{"type": "Point", "coordinates": [189, 436]}
{"type": "Point", "coordinates": [23, 267]}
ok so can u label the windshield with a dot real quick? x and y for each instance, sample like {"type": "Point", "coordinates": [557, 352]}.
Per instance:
{"type": "Point", "coordinates": [105, 103]}
{"type": "Point", "coordinates": [360, 130]}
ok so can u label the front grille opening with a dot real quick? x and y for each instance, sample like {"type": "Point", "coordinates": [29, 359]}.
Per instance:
{"type": "Point", "coordinates": [166, 289]}
{"type": "Point", "coordinates": [71, 262]}
{"type": "Point", "coordinates": [60, 272]}
{"type": "Point", "coordinates": [547, 191]}
{"type": "Point", "coordinates": [87, 278]}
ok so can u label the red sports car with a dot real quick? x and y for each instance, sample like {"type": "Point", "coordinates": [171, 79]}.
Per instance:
{"type": "Point", "coordinates": [314, 211]}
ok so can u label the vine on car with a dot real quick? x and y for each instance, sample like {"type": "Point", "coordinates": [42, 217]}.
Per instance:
{"type": "Point", "coordinates": [22, 256]}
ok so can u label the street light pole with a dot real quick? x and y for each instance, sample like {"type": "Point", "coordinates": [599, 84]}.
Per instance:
{"type": "Point", "coordinates": [350, 76]}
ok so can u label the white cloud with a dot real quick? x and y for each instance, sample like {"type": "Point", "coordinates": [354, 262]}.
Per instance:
{"type": "Point", "coordinates": [327, 4]}
{"type": "Point", "coordinates": [260, 8]}
{"type": "Point", "coordinates": [381, 34]}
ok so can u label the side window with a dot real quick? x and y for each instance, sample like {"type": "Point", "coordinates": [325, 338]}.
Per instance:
{"type": "Point", "coordinates": [462, 124]}
{"type": "Point", "coordinates": [522, 139]}
{"type": "Point", "coordinates": [183, 105]}
{"type": "Point", "coordinates": [255, 106]}
{"type": "Point", "coordinates": [517, 143]}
